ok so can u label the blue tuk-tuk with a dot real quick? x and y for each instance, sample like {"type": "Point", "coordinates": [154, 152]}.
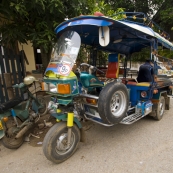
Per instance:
{"type": "Point", "coordinates": [81, 95]}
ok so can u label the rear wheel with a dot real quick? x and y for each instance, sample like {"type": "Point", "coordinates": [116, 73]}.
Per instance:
{"type": "Point", "coordinates": [55, 142]}
{"type": "Point", "coordinates": [113, 103]}
{"type": "Point", "coordinates": [9, 140]}
{"type": "Point", "coordinates": [158, 112]}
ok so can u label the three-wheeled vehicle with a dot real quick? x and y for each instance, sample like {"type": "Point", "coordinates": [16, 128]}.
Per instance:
{"type": "Point", "coordinates": [82, 96]}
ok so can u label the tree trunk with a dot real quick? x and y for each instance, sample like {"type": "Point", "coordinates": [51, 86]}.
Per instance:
{"type": "Point", "coordinates": [45, 56]}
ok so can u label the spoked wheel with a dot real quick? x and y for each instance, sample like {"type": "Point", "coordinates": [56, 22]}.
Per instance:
{"type": "Point", "coordinates": [9, 140]}
{"type": "Point", "coordinates": [113, 103]}
{"type": "Point", "coordinates": [55, 142]}
{"type": "Point", "coordinates": [158, 113]}
{"type": "Point", "coordinates": [42, 100]}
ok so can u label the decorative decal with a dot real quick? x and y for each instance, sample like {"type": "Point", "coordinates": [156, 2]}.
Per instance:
{"type": "Point", "coordinates": [64, 69]}
{"type": "Point", "coordinates": [93, 80]}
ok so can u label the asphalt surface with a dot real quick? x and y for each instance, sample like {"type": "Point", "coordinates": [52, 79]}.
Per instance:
{"type": "Point", "coordinates": [143, 147]}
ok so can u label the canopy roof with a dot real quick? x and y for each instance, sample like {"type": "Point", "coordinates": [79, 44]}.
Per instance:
{"type": "Point", "coordinates": [126, 37]}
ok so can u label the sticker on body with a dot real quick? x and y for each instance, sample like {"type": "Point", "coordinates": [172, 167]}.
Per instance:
{"type": "Point", "coordinates": [64, 69]}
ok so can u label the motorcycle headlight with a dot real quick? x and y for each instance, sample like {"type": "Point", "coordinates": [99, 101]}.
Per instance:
{"type": "Point", "coordinates": [48, 87]}
{"type": "Point", "coordinates": [52, 88]}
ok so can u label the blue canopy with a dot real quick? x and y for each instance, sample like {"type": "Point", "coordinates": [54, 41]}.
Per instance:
{"type": "Point", "coordinates": [126, 37]}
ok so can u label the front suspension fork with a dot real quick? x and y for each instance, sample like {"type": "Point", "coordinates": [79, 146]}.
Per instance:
{"type": "Point", "coordinates": [70, 119]}
{"type": "Point", "coordinates": [13, 113]}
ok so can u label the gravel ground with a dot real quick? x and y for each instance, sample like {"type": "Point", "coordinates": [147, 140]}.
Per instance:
{"type": "Point", "coordinates": [145, 146]}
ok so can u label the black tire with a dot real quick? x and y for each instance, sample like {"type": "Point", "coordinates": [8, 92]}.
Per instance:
{"type": "Point", "coordinates": [53, 147]}
{"type": "Point", "coordinates": [43, 101]}
{"type": "Point", "coordinates": [159, 109]}
{"type": "Point", "coordinates": [9, 140]}
{"type": "Point", "coordinates": [113, 103]}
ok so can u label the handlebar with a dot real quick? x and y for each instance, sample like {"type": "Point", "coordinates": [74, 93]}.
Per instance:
{"type": "Point", "coordinates": [21, 85]}
{"type": "Point", "coordinates": [91, 67]}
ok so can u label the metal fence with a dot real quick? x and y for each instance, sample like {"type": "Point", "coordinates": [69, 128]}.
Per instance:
{"type": "Point", "coordinates": [12, 71]}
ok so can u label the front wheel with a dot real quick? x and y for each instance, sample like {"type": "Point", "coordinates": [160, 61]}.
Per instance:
{"type": "Point", "coordinates": [55, 142]}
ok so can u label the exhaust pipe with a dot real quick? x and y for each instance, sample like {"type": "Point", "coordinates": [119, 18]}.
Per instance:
{"type": "Point", "coordinates": [23, 131]}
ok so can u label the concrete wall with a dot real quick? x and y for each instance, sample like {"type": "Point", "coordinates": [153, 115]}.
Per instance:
{"type": "Point", "coordinates": [29, 51]}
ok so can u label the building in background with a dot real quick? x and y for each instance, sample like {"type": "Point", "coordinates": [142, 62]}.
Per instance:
{"type": "Point", "coordinates": [33, 56]}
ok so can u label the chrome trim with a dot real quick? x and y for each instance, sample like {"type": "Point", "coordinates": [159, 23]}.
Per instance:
{"type": "Point", "coordinates": [130, 119]}
{"type": "Point", "coordinates": [117, 103]}
{"type": "Point", "coordinates": [131, 108]}
{"type": "Point", "coordinates": [107, 125]}
{"type": "Point", "coordinates": [96, 106]}
{"type": "Point", "coordinates": [89, 96]}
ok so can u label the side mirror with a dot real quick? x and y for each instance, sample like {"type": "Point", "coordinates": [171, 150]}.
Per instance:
{"type": "Point", "coordinates": [104, 35]}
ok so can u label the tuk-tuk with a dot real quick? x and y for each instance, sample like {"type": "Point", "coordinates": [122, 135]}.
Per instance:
{"type": "Point", "coordinates": [81, 95]}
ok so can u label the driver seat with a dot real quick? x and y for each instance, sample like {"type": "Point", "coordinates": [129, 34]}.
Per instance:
{"type": "Point", "coordinates": [113, 66]}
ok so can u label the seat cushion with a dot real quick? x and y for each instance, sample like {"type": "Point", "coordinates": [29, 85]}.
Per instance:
{"type": "Point", "coordinates": [147, 84]}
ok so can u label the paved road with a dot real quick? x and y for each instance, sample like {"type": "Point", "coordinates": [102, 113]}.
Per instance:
{"type": "Point", "coordinates": [144, 147]}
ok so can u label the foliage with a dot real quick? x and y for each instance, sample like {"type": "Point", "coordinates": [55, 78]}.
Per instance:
{"type": "Point", "coordinates": [107, 10]}
{"type": "Point", "coordinates": [166, 53]}
{"type": "Point", "coordinates": [35, 20]}
{"type": "Point", "coordinates": [141, 56]}
{"type": "Point", "coordinates": [32, 20]}
{"type": "Point", "coordinates": [145, 6]}
{"type": "Point", "coordinates": [84, 56]}
{"type": "Point", "coordinates": [104, 8]}
{"type": "Point", "coordinates": [145, 54]}
{"type": "Point", "coordinates": [166, 14]}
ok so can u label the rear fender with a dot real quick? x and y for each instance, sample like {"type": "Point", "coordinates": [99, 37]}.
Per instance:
{"type": "Point", "coordinates": [156, 97]}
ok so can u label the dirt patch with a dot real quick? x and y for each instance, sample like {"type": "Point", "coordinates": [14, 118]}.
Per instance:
{"type": "Point", "coordinates": [36, 136]}
{"type": "Point", "coordinates": [37, 133]}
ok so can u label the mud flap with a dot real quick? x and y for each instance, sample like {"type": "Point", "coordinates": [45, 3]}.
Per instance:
{"type": "Point", "coordinates": [82, 135]}
{"type": "Point", "coordinates": [167, 103]}
{"type": "Point", "coordinates": [154, 110]}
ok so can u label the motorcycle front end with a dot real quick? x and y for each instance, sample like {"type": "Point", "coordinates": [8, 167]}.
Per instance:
{"type": "Point", "coordinates": [62, 139]}
{"type": "Point", "coordinates": [61, 83]}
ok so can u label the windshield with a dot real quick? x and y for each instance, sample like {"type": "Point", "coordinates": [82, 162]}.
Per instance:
{"type": "Point", "coordinates": [64, 53]}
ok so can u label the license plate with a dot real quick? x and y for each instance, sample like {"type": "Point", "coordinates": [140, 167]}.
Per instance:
{"type": "Point", "coordinates": [1, 127]}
